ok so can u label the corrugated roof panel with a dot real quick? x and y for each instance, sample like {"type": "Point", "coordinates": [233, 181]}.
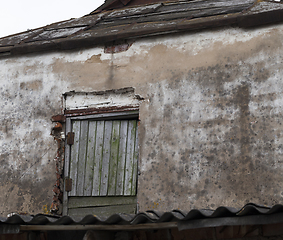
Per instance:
{"type": "Point", "coordinates": [146, 217]}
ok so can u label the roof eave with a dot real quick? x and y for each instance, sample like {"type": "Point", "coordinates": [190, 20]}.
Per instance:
{"type": "Point", "coordinates": [238, 19]}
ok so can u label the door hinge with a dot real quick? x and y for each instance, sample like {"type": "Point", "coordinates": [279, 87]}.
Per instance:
{"type": "Point", "coordinates": [70, 138]}
{"type": "Point", "coordinates": [68, 184]}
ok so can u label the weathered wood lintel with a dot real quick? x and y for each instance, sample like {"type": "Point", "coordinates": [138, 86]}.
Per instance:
{"type": "Point", "coordinates": [147, 226]}
{"type": "Point", "coordinates": [91, 111]}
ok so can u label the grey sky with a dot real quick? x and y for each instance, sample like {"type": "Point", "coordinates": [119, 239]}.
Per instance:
{"type": "Point", "coordinates": [18, 15]}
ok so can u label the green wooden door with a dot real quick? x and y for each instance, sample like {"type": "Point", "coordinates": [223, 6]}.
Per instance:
{"type": "Point", "coordinates": [103, 167]}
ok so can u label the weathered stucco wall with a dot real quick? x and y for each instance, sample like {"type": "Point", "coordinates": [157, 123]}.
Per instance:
{"type": "Point", "coordinates": [210, 131]}
{"type": "Point", "coordinates": [27, 150]}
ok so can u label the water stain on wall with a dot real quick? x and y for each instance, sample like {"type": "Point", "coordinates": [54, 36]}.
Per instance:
{"type": "Point", "coordinates": [210, 129]}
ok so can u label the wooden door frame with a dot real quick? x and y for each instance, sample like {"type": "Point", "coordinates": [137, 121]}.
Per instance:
{"type": "Point", "coordinates": [134, 114]}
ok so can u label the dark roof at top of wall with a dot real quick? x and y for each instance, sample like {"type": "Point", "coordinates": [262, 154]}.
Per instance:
{"type": "Point", "coordinates": [250, 214]}
{"type": "Point", "coordinates": [108, 26]}
{"type": "Point", "coordinates": [115, 4]}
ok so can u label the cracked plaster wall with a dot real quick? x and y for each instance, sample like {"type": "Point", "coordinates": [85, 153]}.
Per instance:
{"type": "Point", "coordinates": [210, 130]}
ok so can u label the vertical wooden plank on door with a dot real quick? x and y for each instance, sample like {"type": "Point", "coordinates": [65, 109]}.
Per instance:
{"type": "Point", "coordinates": [82, 157]}
{"type": "Point", "coordinates": [89, 167]}
{"type": "Point", "coordinates": [105, 158]}
{"type": "Point", "coordinates": [114, 150]}
{"type": "Point", "coordinates": [122, 158]}
{"type": "Point", "coordinates": [135, 163]}
{"type": "Point", "coordinates": [74, 156]}
{"type": "Point", "coordinates": [131, 139]}
{"type": "Point", "coordinates": [66, 166]}
{"type": "Point", "coordinates": [99, 138]}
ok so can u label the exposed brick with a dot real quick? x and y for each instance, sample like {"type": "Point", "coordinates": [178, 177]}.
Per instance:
{"type": "Point", "coordinates": [58, 126]}
{"type": "Point", "coordinates": [59, 163]}
{"type": "Point", "coordinates": [58, 118]}
{"type": "Point", "coordinates": [58, 176]}
{"type": "Point", "coordinates": [117, 48]}
{"type": "Point", "coordinates": [56, 190]}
